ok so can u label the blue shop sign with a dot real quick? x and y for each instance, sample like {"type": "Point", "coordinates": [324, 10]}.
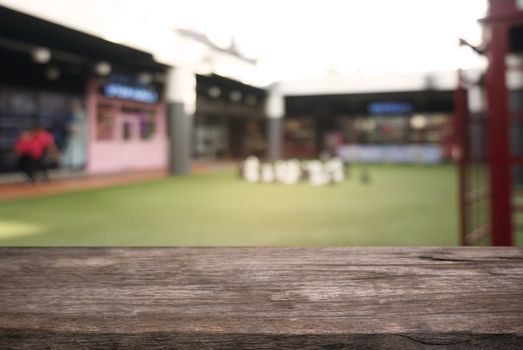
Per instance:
{"type": "Point", "coordinates": [390, 108]}
{"type": "Point", "coordinates": [129, 92]}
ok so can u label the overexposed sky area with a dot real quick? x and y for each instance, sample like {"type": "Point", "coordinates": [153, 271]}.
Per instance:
{"type": "Point", "coordinates": [293, 38]}
{"type": "Point", "coordinates": [296, 39]}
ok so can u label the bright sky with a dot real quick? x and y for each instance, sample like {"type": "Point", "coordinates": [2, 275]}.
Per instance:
{"type": "Point", "coordinates": [301, 38]}
{"type": "Point", "coordinates": [306, 38]}
{"type": "Point", "coordinates": [297, 38]}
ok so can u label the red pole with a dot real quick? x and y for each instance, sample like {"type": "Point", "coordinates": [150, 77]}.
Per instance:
{"type": "Point", "coordinates": [460, 137]}
{"type": "Point", "coordinates": [498, 137]}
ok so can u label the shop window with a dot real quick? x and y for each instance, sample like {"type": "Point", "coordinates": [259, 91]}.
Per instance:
{"type": "Point", "coordinates": [378, 129]}
{"type": "Point", "coordinates": [433, 128]}
{"type": "Point", "coordinates": [127, 131]}
{"type": "Point", "coordinates": [104, 123]}
{"type": "Point", "coordinates": [299, 137]}
{"type": "Point", "coordinates": [390, 129]}
{"type": "Point", "coordinates": [146, 120]}
{"type": "Point", "coordinates": [147, 126]}
{"type": "Point", "coordinates": [254, 141]}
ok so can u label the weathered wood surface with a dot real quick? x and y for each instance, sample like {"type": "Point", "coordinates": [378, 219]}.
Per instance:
{"type": "Point", "coordinates": [261, 298]}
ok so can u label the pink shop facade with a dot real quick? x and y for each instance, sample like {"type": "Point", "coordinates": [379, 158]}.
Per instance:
{"type": "Point", "coordinates": [126, 126]}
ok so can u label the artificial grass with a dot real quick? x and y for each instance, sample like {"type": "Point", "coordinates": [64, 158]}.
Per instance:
{"type": "Point", "coordinates": [402, 205]}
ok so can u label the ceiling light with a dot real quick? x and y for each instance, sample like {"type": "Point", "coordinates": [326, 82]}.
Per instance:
{"type": "Point", "coordinates": [102, 68]}
{"type": "Point", "coordinates": [41, 55]}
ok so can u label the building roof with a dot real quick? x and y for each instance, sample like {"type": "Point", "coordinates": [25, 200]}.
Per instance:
{"type": "Point", "coordinates": [23, 29]}
{"type": "Point", "coordinates": [367, 83]}
{"type": "Point", "coordinates": [206, 81]}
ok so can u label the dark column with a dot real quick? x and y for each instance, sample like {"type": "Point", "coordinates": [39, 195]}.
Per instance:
{"type": "Point", "coordinates": [275, 138]}
{"type": "Point", "coordinates": [180, 131]}
{"type": "Point", "coordinates": [275, 111]}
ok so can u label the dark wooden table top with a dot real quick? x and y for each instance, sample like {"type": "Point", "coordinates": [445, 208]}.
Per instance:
{"type": "Point", "coordinates": [261, 298]}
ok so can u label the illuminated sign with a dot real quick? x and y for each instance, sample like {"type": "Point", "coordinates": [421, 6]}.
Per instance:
{"type": "Point", "coordinates": [390, 108]}
{"type": "Point", "coordinates": [133, 93]}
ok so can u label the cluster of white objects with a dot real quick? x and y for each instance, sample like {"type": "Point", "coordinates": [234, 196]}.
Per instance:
{"type": "Point", "coordinates": [316, 172]}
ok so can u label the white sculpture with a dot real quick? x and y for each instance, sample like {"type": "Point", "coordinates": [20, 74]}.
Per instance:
{"type": "Point", "coordinates": [280, 170]}
{"type": "Point", "coordinates": [334, 167]}
{"type": "Point", "coordinates": [290, 172]}
{"type": "Point", "coordinates": [251, 169]}
{"type": "Point", "coordinates": [293, 172]}
{"type": "Point", "coordinates": [267, 172]}
{"type": "Point", "coordinates": [316, 173]}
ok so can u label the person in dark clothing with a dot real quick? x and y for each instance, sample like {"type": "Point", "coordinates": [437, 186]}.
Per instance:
{"type": "Point", "coordinates": [24, 152]}
{"type": "Point", "coordinates": [43, 146]}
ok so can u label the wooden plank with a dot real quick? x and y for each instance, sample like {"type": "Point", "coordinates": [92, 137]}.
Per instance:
{"type": "Point", "coordinates": [261, 298]}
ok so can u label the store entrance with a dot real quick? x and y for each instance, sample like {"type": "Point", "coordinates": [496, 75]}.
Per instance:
{"type": "Point", "coordinates": [130, 145]}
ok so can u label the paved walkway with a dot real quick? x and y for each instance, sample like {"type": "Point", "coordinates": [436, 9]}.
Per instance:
{"type": "Point", "coordinates": [82, 182]}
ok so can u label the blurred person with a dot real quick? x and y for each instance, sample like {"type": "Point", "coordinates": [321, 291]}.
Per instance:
{"type": "Point", "coordinates": [43, 147]}
{"type": "Point", "coordinates": [24, 153]}
{"type": "Point", "coordinates": [73, 156]}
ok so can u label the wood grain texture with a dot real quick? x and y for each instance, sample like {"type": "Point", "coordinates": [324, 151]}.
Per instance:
{"type": "Point", "coordinates": [261, 298]}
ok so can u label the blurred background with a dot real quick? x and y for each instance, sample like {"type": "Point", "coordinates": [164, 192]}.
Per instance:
{"type": "Point", "coordinates": [129, 122]}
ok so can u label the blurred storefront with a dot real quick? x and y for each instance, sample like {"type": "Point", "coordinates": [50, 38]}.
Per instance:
{"type": "Point", "coordinates": [368, 124]}
{"type": "Point", "coordinates": [229, 121]}
{"type": "Point", "coordinates": [102, 102]}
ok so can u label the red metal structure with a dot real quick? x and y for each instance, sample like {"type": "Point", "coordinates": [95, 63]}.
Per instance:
{"type": "Point", "coordinates": [489, 125]}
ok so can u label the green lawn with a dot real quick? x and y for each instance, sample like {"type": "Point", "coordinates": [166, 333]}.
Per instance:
{"type": "Point", "coordinates": [403, 205]}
